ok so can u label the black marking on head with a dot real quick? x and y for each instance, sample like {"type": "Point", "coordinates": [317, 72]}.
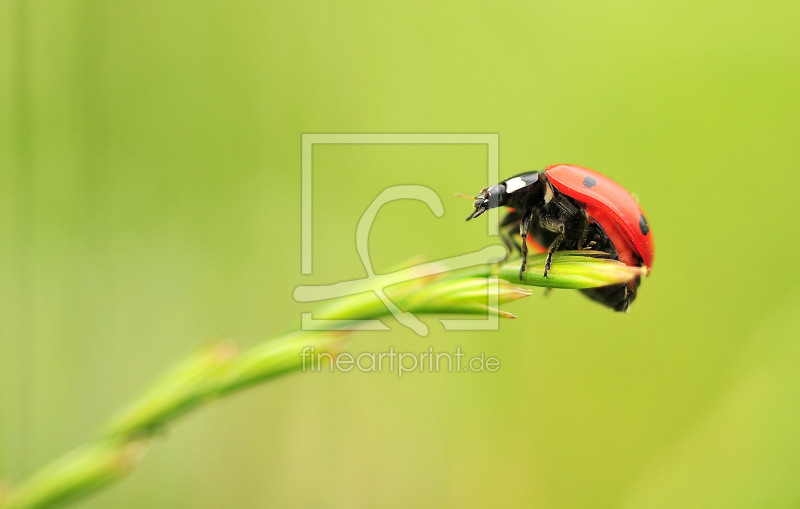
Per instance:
{"type": "Point", "coordinates": [589, 182]}
{"type": "Point", "coordinates": [643, 225]}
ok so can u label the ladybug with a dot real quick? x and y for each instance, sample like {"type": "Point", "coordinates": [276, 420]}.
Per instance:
{"type": "Point", "coordinates": [570, 207]}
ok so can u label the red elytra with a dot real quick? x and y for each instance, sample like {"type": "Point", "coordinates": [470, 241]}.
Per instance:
{"type": "Point", "coordinates": [611, 206]}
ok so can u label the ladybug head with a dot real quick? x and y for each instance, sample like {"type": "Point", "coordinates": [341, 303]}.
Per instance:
{"type": "Point", "coordinates": [488, 199]}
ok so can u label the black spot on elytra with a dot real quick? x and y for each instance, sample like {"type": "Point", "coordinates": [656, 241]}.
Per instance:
{"type": "Point", "coordinates": [589, 182]}
{"type": "Point", "coordinates": [643, 225]}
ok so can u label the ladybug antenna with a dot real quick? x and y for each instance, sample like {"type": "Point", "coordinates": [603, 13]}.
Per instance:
{"type": "Point", "coordinates": [462, 195]}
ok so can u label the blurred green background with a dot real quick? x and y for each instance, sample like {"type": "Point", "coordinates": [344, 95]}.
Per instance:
{"type": "Point", "coordinates": [150, 201]}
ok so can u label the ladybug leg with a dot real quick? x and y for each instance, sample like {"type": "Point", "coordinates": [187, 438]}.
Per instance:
{"type": "Point", "coordinates": [557, 226]}
{"type": "Point", "coordinates": [524, 228]}
{"type": "Point", "coordinates": [508, 240]}
{"type": "Point", "coordinates": [508, 226]}
{"type": "Point", "coordinates": [551, 250]}
{"type": "Point", "coordinates": [584, 231]}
